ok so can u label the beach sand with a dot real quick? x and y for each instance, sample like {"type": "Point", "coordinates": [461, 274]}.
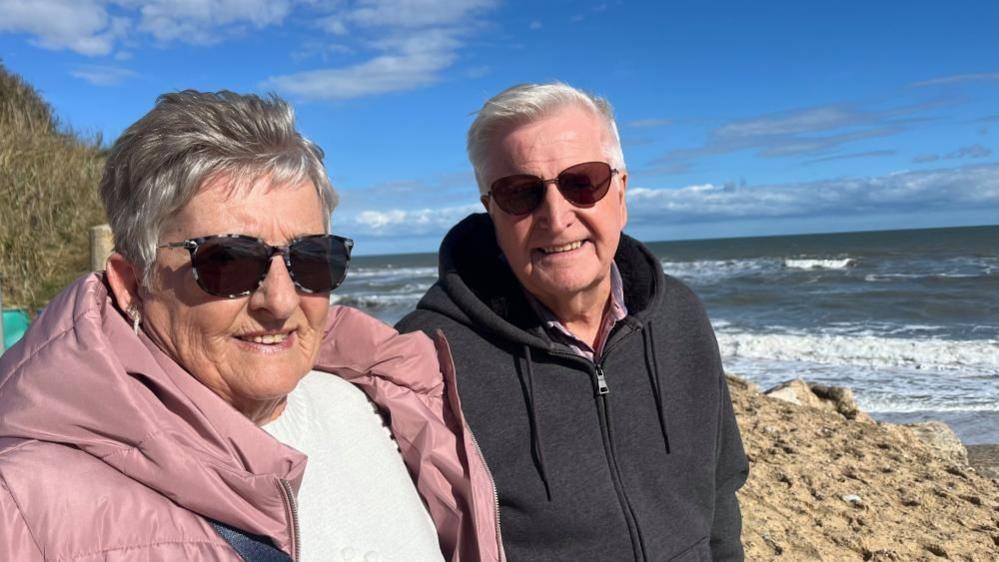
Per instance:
{"type": "Point", "coordinates": [825, 487]}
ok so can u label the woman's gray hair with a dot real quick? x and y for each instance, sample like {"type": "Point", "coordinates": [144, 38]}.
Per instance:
{"type": "Point", "coordinates": [189, 139]}
{"type": "Point", "coordinates": [526, 103]}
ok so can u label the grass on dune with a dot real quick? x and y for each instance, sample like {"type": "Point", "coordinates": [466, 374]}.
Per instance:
{"type": "Point", "coordinates": [48, 197]}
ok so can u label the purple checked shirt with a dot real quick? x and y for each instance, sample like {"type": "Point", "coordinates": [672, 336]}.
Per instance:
{"type": "Point", "coordinates": [557, 331]}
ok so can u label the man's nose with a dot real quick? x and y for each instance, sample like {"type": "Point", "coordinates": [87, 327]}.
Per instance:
{"type": "Point", "coordinates": [554, 211]}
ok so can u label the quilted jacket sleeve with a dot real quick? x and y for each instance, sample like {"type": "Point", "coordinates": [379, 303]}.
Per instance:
{"type": "Point", "coordinates": [16, 542]}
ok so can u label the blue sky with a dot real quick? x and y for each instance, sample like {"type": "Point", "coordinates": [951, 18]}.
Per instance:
{"type": "Point", "coordinates": [737, 118]}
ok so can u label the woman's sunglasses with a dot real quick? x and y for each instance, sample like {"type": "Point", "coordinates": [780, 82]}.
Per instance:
{"type": "Point", "coordinates": [234, 265]}
{"type": "Point", "coordinates": [582, 185]}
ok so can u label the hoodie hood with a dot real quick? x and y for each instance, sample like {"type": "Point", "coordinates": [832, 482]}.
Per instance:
{"type": "Point", "coordinates": [81, 377]}
{"type": "Point", "coordinates": [475, 281]}
{"type": "Point", "coordinates": [477, 289]}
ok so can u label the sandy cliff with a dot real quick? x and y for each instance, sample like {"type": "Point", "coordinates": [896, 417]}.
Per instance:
{"type": "Point", "coordinates": [824, 486]}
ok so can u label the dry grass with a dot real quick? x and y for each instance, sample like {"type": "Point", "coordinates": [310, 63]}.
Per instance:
{"type": "Point", "coordinates": [48, 197]}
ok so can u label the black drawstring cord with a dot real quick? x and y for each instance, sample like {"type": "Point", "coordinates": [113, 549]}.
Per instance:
{"type": "Point", "coordinates": [536, 448]}
{"type": "Point", "coordinates": [652, 366]}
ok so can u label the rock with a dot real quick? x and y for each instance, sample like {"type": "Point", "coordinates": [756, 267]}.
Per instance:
{"type": "Point", "coordinates": [938, 550]}
{"type": "Point", "coordinates": [823, 487]}
{"type": "Point", "coordinates": [841, 400]}
{"type": "Point", "coordinates": [795, 391]}
{"type": "Point", "coordinates": [853, 500]}
{"type": "Point", "coordinates": [985, 459]}
{"type": "Point", "coordinates": [944, 442]}
{"type": "Point", "coordinates": [741, 383]}
{"type": "Point", "coordinates": [833, 398]}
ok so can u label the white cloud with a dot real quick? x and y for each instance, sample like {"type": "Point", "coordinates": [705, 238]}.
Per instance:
{"type": "Point", "coordinates": [971, 187]}
{"type": "Point", "coordinates": [83, 26]}
{"type": "Point", "coordinates": [854, 156]}
{"type": "Point", "coordinates": [333, 25]}
{"type": "Point", "coordinates": [649, 123]}
{"type": "Point", "coordinates": [478, 71]}
{"type": "Point", "coordinates": [399, 222]}
{"type": "Point", "coordinates": [101, 75]}
{"type": "Point", "coordinates": [205, 21]}
{"type": "Point", "coordinates": [536, 24]}
{"type": "Point", "coordinates": [973, 151]}
{"type": "Point", "coordinates": [89, 28]}
{"type": "Point", "coordinates": [813, 132]}
{"type": "Point", "coordinates": [416, 13]}
{"type": "Point", "coordinates": [321, 50]}
{"type": "Point", "coordinates": [409, 43]}
{"type": "Point", "coordinates": [965, 188]}
{"type": "Point", "coordinates": [956, 79]}
{"type": "Point", "coordinates": [414, 41]}
{"type": "Point", "coordinates": [388, 73]}
{"type": "Point", "coordinates": [413, 61]}
{"type": "Point", "coordinates": [792, 122]}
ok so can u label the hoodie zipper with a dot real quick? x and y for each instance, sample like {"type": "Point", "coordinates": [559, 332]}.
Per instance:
{"type": "Point", "coordinates": [289, 495]}
{"type": "Point", "coordinates": [603, 389]}
{"type": "Point", "coordinates": [629, 514]}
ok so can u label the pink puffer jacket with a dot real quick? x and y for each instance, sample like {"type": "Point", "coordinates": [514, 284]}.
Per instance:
{"type": "Point", "coordinates": [110, 451]}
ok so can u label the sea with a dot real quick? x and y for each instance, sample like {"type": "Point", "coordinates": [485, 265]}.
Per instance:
{"type": "Point", "coordinates": [908, 319]}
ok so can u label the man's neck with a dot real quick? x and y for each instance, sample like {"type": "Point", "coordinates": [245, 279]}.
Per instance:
{"type": "Point", "coordinates": [583, 313]}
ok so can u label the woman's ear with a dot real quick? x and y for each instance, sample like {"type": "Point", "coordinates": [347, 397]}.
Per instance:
{"type": "Point", "coordinates": [123, 278]}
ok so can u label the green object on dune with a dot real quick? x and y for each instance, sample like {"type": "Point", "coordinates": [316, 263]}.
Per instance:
{"type": "Point", "coordinates": [15, 323]}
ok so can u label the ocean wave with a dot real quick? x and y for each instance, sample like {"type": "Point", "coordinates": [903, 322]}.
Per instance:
{"type": "Point", "coordinates": [816, 263]}
{"type": "Point", "coordinates": [866, 351]}
{"type": "Point", "coordinates": [375, 302]}
{"type": "Point", "coordinates": [393, 272]}
{"type": "Point", "coordinates": [704, 271]}
{"type": "Point", "coordinates": [887, 277]}
{"type": "Point", "coordinates": [907, 405]}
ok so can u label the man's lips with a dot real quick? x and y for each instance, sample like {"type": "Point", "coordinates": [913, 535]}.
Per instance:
{"type": "Point", "coordinates": [561, 248]}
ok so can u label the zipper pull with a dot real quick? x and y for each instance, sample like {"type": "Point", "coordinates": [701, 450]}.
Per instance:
{"type": "Point", "coordinates": [602, 387]}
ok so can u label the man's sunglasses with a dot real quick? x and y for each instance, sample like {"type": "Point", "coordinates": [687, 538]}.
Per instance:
{"type": "Point", "coordinates": [582, 185]}
{"type": "Point", "coordinates": [234, 265]}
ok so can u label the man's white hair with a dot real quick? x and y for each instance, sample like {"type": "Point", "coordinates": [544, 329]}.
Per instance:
{"type": "Point", "coordinates": [526, 103]}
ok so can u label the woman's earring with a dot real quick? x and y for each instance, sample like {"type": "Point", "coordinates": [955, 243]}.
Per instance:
{"type": "Point", "coordinates": [136, 316]}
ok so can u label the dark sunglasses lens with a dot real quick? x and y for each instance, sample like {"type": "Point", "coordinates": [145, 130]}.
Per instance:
{"type": "Point", "coordinates": [585, 184]}
{"type": "Point", "coordinates": [319, 263]}
{"type": "Point", "coordinates": [230, 266]}
{"type": "Point", "coordinates": [518, 195]}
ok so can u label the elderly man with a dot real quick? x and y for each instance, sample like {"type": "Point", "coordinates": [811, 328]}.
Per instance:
{"type": "Point", "coordinates": [591, 380]}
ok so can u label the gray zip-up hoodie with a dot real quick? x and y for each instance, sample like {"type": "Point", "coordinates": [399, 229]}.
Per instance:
{"type": "Point", "coordinates": [636, 457]}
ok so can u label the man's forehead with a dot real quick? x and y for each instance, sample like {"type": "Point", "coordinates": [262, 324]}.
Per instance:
{"type": "Point", "coordinates": [568, 133]}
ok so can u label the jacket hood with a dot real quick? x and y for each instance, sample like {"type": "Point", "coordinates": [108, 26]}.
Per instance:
{"type": "Point", "coordinates": [475, 282]}
{"type": "Point", "coordinates": [81, 377]}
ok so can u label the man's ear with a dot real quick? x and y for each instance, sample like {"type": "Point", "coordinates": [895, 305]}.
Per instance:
{"type": "Point", "coordinates": [123, 278]}
{"type": "Point", "coordinates": [485, 202]}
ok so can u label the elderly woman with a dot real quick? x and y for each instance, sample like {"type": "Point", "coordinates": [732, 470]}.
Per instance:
{"type": "Point", "coordinates": [152, 410]}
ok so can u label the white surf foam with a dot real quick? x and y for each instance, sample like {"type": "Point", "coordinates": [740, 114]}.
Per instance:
{"type": "Point", "coordinates": [804, 263]}
{"type": "Point", "coordinates": [867, 351]}
{"type": "Point", "coordinates": [708, 271]}
{"type": "Point", "coordinates": [393, 272]}
{"type": "Point", "coordinates": [907, 405]}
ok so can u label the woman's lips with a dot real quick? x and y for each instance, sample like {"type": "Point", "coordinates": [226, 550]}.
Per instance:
{"type": "Point", "coordinates": [267, 343]}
